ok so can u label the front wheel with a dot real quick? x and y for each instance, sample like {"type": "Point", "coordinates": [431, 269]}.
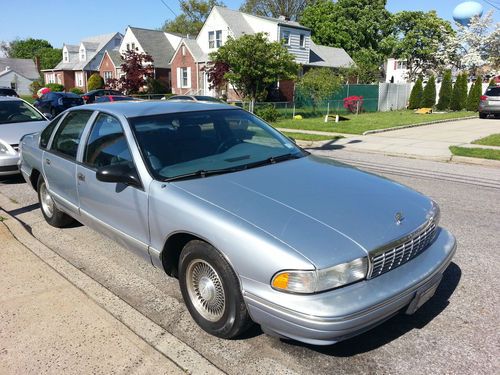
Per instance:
{"type": "Point", "coordinates": [211, 291]}
{"type": "Point", "coordinates": [482, 115]}
{"type": "Point", "coordinates": [51, 213]}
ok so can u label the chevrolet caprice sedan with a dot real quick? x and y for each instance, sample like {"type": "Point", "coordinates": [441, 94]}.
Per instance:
{"type": "Point", "coordinates": [255, 228]}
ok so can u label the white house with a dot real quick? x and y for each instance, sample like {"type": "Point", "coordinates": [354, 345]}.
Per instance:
{"type": "Point", "coordinates": [191, 55]}
{"type": "Point", "coordinates": [18, 74]}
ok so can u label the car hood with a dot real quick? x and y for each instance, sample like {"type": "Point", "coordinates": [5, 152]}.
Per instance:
{"type": "Point", "coordinates": [12, 133]}
{"type": "Point", "coordinates": [327, 211]}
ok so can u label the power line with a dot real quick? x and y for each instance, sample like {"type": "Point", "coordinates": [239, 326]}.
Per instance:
{"type": "Point", "coordinates": [170, 9]}
{"type": "Point", "coordinates": [489, 2]}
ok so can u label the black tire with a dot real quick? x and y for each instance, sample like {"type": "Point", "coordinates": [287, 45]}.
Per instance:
{"type": "Point", "coordinates": [226, 321]}
{"type": "Point", "coordinates": [53, 216]}
{"type": "Point", "coordinates": [482, 115]}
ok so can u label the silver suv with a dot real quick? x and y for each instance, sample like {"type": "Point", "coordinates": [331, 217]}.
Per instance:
{"type": "Point", "coordinates": [490, 102]}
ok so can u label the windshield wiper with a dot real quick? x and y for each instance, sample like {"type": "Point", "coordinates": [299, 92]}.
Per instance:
{"type": "Point", "coordinates": [274, 160]}
{"type": "Point", "coordinates": [201, 173]}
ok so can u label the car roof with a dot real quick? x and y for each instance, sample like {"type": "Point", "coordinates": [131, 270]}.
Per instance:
{"type": "Point", "coordinates": [10, 98]}
{"type": "Point", "coordinates": [152, 107]}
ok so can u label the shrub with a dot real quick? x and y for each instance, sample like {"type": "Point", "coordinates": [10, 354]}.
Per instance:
{"type": "Point", "coordinates": [416, 94]}
{"type": "Point", "coordinates": [429, 94]}
{"type": "Point", "coordinates": [463, 91]}
{"type": "Point", "coordinates": [445, 92]}
{"type": "Point", "coordinates": [76, 90]}
{"type": "Point", "coordinates": [268, 113]}
{"type": "Point", "coordinates": [354, 104]}
{"type": "Point", "coordinates": [95, 82]}
{"type": "Point", "coordinates": [54, 87]}
{"type": "Point", "coordinates": [155, 86]}
{"type": "Point", "coordinates": [459, 94]}
{"type": "Point", "coordinates": [475, 95]}
{"type": "Point", "coordinates": [35, 86]}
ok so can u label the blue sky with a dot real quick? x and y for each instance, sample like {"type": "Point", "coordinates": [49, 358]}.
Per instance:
{"type": "Point", "coordinates": [68, 21]}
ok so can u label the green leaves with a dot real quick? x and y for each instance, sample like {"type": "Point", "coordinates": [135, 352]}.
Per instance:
{"type": "Point", "coordinates": [194, 14]}
{"type": "Point", "coordinates": [416, 94]}
{"type": "Point", "coordinates": [429, 95]}
{"type": "Point", "coordinates": [445, 92]}
{"type": "Point", "coordinates": [254, 63]}
{"type": "Point", "coordinates": [319, 84]}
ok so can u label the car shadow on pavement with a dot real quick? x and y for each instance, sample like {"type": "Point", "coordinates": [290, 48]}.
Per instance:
{"type": "Point", "coordinates": [11, 180]}
{"type": "Point", "coordinates": [332, 146]}
{"type": "Point", "coordinates": [396, 326]}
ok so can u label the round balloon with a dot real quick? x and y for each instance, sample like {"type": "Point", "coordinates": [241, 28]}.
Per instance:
{"type": "Point", "coordinates": [463, 12]}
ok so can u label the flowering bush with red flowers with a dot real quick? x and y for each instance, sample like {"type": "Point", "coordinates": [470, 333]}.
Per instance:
{"type": "Point", "coordinates": [354, 104]}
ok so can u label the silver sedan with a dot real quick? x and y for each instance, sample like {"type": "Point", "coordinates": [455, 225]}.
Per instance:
{"type": "Point", "coordinates": [254, 227]}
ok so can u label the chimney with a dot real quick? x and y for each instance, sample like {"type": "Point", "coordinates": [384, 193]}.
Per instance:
{"type": "Point", "coordinates": [37, 62]}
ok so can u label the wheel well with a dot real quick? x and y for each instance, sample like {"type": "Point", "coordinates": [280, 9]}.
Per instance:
{"type": "Point", "coordinates": [34, 178]}
{"type": "Point", "coordinates": [172, 251]}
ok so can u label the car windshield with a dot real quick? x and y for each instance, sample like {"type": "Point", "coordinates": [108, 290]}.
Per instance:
{"type": "Point", "coordinates": [17, 111]}
{"type": "Point", "coordinates": [492, 91]}
{"type": "Point", "coordinates": [196, 144]}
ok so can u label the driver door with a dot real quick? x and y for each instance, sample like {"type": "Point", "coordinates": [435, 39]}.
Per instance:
{"type": "Point", "coordinates": [117, 210]}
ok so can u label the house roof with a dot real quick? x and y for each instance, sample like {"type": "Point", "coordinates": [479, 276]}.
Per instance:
{"type": "Point", "coordinates": [115, 57]}
{"type": "Point", "coordinates": [240, 22]}
{"type": "Point", "coordinates": [194, 48]}
{"type": "Point", "coordinates": [24, 67]}
{"type": "Point", "coordinates": [155, 43]}
{"type": "Point", "coordinates": [93, 46]}
{"type": "Point", "coordinates": [328, 56]}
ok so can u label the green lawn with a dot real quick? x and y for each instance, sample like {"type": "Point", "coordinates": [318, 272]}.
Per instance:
{"type": "Point", "coordinates": [357, 124]}
{"type": "Point", "coordinates": [311, 137]}
{"type": "Point", "coordinates": [491, 140]}
{"type": "Point", "coordinates": [475, 152]}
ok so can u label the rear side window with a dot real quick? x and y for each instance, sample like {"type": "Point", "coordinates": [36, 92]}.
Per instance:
{"type": "Point", "coordinates": [67, 137]}
{"type": "Point", "coordinates": [47, 132]}
{"type": "Point", "coordinates": [492, 91]}
{"type": "Point", "coordinates": [107, 144]}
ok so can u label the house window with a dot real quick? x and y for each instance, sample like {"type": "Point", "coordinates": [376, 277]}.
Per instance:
{"type": "Point", "coordinates": [82, 54]}
{"type": "Point", "coordinates": [13, 85]}
{"type": "Point", "coordinates": [183, 50]}
{"type": "Point", "coordinates": [218, 38]}
{"type": "Point", "coordinates": [65, 56]}
{"type": "Point", "coordinates": [401, 65]}
{"type": "Point", "coordinates": [133, 46]}
{"type": "Point", "coordinates": [302, 41]}
{"type": "Point", "coordinates": [58, 78]}
{"type": "Point", "coordinates": [107, 76]}
{"type": "Point", "coordinates": [79, 79]}
{"type": "Point", "coordinates": [184, 77]}
{"type": "Point", "coordinates": [50, 78]}
{"type": "Point", "coordinates": [286, 37]}
{"type": "Point", "coordinates": [211, 39]}
{"type": "Point", "coordinates": [128, 46]}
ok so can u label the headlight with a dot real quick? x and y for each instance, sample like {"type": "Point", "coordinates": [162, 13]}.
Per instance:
{"type": "Point", "coordinates": [5, 149]}
{"type": "Point", "coordinates": [314, 281]}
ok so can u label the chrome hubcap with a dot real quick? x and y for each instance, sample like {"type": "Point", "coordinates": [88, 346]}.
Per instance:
{"type": "Point", "coordinates": [205, 290]}
{"type": "Point", "coordinates": [46, 201]}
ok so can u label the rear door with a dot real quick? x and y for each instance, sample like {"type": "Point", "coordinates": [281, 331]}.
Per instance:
{"type": "Point", "coordinates": [117, 210]}
{"type": "Point", "coordinates": [59, 162]}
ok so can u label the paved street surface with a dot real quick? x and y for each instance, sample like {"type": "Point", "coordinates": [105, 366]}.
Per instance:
{"type": "Point", "coordinates": [429, 141]}
{"type": "Point", "coordinates": [456, 332]}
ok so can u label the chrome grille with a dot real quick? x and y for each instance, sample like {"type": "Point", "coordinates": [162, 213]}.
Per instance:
{"type": "Point", "coordinates": [406, 250]}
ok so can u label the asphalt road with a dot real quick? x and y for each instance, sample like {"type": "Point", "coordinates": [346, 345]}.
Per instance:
{"type": "Point", "coordinates": [457, 331]}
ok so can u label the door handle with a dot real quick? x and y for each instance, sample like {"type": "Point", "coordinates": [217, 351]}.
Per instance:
{"type": "Point", "coordinates": [81, 176]}
{"type": "Point", "coordinates": [47, 161]}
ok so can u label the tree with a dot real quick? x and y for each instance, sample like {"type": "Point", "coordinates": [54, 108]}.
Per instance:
{"type": "Point", "coordinates": [459, 94]}
{"type": "Point", "coordinates": [216, 75]}
{"type": "Point", "coordinates": [49, 57]}
{"type": "Point", "coordinates": [349, 24]}
{"type": "Point", "coordinates": [254, 64]}
{"type": "Point", "coordinates": [416, 94]}
{"type": "Point", "coordinates": [366, 67]}
{"type": "Point", "coordinates": [319, 84]}
{"type": "Point", "coordinates": [291, 9]}
{"type": "Point", "coordinates": [475, 93]}
{"type": "Point", "coordinates": [194, 14]}
{"type": "Point", "coordinates": [445, 92]}
{"type": "Point", "coordinates": [137, 68]}
{"type": "Point", "coordinates": [417, 37]}
{"type": "Point", "coordinates": [95, 82]}
{"type": "Point", "coordinates": [429, 94]}
{"type": "Point", "coordinates": [33, 48]}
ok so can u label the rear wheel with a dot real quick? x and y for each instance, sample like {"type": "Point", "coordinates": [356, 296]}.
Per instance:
{"type": "Point", "coordinates": [482, 115]}
{"type": "Point", "coordinates": [211, 291]}
{"type": "Point", "coordinates": [51, 213]}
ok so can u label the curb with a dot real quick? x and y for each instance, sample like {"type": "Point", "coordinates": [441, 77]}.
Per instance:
{"type": "Point", "coordinates": [368, 132]}
{"type": "Point", "coordinates": [475, 161]}
{"type": "Point", "coordinates": [182, 355]}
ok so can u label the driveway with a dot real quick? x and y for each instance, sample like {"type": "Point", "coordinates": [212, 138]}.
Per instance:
{"type": "Point", "coordinates": [426, 142]}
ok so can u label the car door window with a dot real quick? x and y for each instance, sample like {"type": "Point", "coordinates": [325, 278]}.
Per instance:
{"type": "Point", "coordinates": [107, 144]}
{"type": "Point", "coordinates": [47, 132]}
{"type": "Point", "coordinates": [67, 137]}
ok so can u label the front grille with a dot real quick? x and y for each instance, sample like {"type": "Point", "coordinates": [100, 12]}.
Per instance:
{"type": "Point", "coordinates": [401, 253]}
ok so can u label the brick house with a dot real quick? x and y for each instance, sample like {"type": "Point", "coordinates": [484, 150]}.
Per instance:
{"type": "Point", "coordinates": [160, 45]}
{"type": "Point", "coordinates": [192, 55]}
{"type": "Point", "coordinates": [81, 61]}
{"type": "Point", "coordinates": [110, 65]}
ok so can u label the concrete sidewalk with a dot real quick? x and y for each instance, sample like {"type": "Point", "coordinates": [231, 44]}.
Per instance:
{"type": "Point", "coordinates": [425, 142]}
{"type": "Point", "coordinates": [47, 325]}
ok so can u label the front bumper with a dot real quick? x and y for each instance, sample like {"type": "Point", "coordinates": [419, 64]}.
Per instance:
{"type": "Point", "coordinates": [330, 317]}
{"type": "Point", "coordinates": [8, 165]}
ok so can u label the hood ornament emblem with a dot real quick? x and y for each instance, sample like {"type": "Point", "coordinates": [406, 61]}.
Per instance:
{"type": "Point", "coordinates": [399, 218]}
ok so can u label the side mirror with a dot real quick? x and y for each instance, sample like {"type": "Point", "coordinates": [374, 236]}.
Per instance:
{"type": "Point", "coordinates": [119, 173]}
{"type": "Point", "coordinates": [49, 116]}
